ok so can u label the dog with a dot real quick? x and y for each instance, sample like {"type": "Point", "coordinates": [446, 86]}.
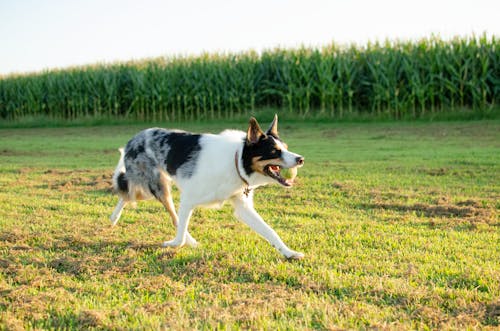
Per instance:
{"type": "Point", "coordinates": [208, 169]}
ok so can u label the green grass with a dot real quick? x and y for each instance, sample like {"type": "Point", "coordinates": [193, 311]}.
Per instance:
{"type": "Point", "coordinates": [399, 223]}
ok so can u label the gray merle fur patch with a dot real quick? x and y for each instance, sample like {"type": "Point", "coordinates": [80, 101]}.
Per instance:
{"type": "Point", "coordinates": [175, 152]}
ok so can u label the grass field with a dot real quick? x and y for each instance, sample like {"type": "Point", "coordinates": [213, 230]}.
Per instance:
{"type": "Point", "coordinates": [398, 221]}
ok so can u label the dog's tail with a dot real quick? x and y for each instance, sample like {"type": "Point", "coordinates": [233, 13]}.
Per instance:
{"type": "Point", "coordinates": [120, 182]}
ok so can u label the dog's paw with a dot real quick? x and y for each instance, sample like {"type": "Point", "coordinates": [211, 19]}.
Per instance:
{"type": "Point", "coordinates": [294, 255]}
{"type": "Point", "coordinates": [172, 243]}
{"type": "Point", "coordinates": [113, 220]}
{"type": "Point", "coordinates": [191, 242]}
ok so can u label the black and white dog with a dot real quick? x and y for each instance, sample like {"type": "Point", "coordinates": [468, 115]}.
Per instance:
{"type": "Point", "coordinates": [208, 169]}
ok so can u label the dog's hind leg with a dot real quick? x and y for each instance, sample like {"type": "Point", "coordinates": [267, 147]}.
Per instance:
{"type": "Point", "coordinates": [180, 239]}
{"type": "Point", "coordinates": [115, 216]}
{"type": "Point", "coordinates": [168, 203]}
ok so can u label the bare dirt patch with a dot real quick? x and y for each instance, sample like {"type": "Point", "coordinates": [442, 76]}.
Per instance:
{"type": "Point", "coordinates": [90, 318]}
{"type": "Point", "coordinates": [13, 152]}
{"type": "Point", "coordinates": [12, 236]}
{"type": "Point", "coordinates": [470, 210]}
{"type": "Point", "coordinates": [333, 133]}
{"type": "Point", "coordinates": [435, 171]}
{"type": "Point", "coordinates": [77, 180]}
{"type": "Point", "coordinates": [10, 322]}
{"type": "Point", "coordinates": [492, 314]}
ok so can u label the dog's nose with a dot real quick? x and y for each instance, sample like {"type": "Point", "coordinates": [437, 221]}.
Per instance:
{"type": "Point", "coordinates": [299, 160]}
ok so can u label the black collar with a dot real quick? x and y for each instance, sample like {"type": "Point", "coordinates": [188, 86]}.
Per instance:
{"type": "Point", "coordinates": [247, 189]}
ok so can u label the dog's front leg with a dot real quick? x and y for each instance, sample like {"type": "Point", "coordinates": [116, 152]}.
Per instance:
{"type": "Point", "coordinates": [244, 210]}
{"type": "Point", "coordinates": [185, 212]}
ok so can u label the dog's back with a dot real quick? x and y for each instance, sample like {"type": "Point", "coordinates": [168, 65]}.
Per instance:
{"type": "Point", "coordinates": [149, 154]}
{"type": "Point", "coordinates": [174, 155]}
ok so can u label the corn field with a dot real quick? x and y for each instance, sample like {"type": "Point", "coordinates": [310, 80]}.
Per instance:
{"type": "Point", "coordinates": [391, 79]}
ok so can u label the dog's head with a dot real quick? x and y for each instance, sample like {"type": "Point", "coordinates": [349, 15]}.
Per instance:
{"type": "Point", "coordinates": [266, 154]}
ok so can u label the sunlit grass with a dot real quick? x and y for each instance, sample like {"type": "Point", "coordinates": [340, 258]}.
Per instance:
{"type": "Point", "coordinates": [399, 224]}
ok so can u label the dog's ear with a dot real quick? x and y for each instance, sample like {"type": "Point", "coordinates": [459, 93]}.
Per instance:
{"type": "Point", "coordinates": [254, 132]}
{"type": "Point", "coordinates": [273, 128]}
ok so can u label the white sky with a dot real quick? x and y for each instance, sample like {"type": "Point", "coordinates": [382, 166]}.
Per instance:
{"type": "Point", "coordinates": [40, 34]}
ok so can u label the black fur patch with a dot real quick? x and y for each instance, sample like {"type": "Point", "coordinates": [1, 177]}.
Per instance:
{"type": "Point", "coordinates": [122, 182]}
{"type": "Point", "coordinates": [133, 152]}
{"type": "Point", "coordinates": [265, 149]}
{"type": "Point", "coordinates": [162, 138]}
{"type": "Point", "coordinates": [184, 147]}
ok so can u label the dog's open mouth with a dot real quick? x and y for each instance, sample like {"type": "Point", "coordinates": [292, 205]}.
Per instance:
{"type": "Point", "coordinates": [274, 171]}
